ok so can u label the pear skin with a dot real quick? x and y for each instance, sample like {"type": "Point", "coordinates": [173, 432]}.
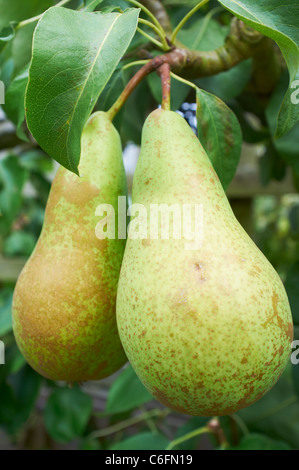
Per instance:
{"type": "Point", "coordinates": [208, 329]}
{"type": "Point", "coordinates": [64, 316]}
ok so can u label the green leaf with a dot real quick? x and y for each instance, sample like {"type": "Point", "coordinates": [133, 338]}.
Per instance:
{"type": "Point", "coordinates": [135, 112]}
{"type": "Point", "coordinates": [14, 98]}
{"type": "Point", "coordinates": [14, 360]}
{"type": "Point", "coordinates": [271, 165]}
{"type": "Point", "coordinates": [253, 132]}
{"type": "Point", "coordinates": [295, 375]}
{"type": "Point", "coordinates": [19, 243]}
{"type": "Point", "coordinates": [64, 86]}
{"type": "Point", "coordinates": [18, 397]}
{"type": "Point", "coordinates": [278, 21]}
{"type": "Point", "coordinates": [6, 35]}
{"type": "Point", "coordinates": [6, 70]}
{"type": "Point", "coordinates": [89, 444]}
{"type": "Point", "coordinates": [67, 413]}
{"type": "Point", "coordinates": [41, 185]}
{"type": "Point", "coordinates": [5, 311]}
{"type": "Point", "coordinates": [90, 5]}
{"type": "Point", "coordinates": [204, 35]}
{"type": "Point", "coordinates": [229, 84]}
{"type": "Point", "coordinates": [286, 146]}
{"type": "Point", "coordinates": [36, 160]}
{"type": "Point", "coordinates": [277, 413]}
{"type": "Point", "coordinates": [18, 10]}
{"type": "Point", "coordinates": [291, 285]}
{"type": "Point", "coordinates": [220, 134]}
{"type": "Point", "coordinates": [19, 48]}
{"type": "Point", "coordinates": [143, 441]}
{"type": "Point", "coordinates": [111, 91]}
{"type": "Point", "coordinates": [260, 442]}
{"type": "Point", "coordinates": [12, 180]}
{"type": "Point", "coordinates": [126, 393]}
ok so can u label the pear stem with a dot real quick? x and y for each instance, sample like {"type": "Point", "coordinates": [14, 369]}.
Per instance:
{"type": "Point", "coordinates": [187, 437]}
{"type": "Point", "coordinates": [158, 31]}
{"type": "Point", "coordinates": [164, 73]}
{"type": "Point", "coordinates": [151, 65]}
{"type": "Point", "coordinates": [183, 80]}
{"type": "Point", "coordinates": [150, 38]}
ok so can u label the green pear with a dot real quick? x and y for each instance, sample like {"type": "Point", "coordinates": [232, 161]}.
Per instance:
{"type": "Point", "coordinates": [64, 304]}
{"type": "Point", "coordinates": [206, 324]}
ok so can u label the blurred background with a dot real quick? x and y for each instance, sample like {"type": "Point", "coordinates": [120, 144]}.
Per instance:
{"type": "Point", "coordinates": [118, 413]}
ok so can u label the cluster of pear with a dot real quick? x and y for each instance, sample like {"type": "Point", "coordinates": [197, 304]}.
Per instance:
{"type": "Point", "coordinates": [207, 330]}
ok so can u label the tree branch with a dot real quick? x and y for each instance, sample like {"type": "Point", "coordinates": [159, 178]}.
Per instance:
{"type": "Point", "coordinates": [156, 7]}
{"type": "Point", "coordinates": [241, 43]}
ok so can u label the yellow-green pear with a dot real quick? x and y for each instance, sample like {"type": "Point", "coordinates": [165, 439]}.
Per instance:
{"type": "Point", "coordinates": [64, 317]}
{"type": "Point", "coordinates": [203, 317]}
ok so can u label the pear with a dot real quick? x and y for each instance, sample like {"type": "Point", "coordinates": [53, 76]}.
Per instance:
{"type": "Point", "coordinates": [206, 324]}
{"type": "Point", "coordinates": [64, 303]}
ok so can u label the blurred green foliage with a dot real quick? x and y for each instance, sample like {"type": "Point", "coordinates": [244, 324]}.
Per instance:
{"type": "Point", "coordinates": [64, 416]}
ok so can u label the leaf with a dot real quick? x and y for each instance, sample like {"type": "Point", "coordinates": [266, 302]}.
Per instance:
{"type": "Point", "coordinates": [6, 35]}
{"type": "Point", "coordinates": [256, 441]}
{"type": "Point", "coordinates": [64, 85]}
{"type": "Point", "coordinates": [271, 166]}
{"type": "Point", "coordinates": [278, 21]}
{"type": "Point", "coordinates": [203, 35]}
{"type": "Point", "coordinates": [135, 112]}
{"type": "Point", "coordinates": [286, 146]}
{"type": "Point", "coordinates": [110, 5]}
{"type": "Point", "coordinates": [15, 106]}
{"type": "Point", "coordinates": [289, 112]}
{"type": "Point", "coordinates": [36, 160]}
{"type": "Point", "coordinates": [229, 84]}
{"type": "Point", "coordinates": [142, 441]}
{"type": "Point", "coordinates": [19, 47]}
{"type": "Point", "coordinates": [19, 242]}
{"type": "Point", "coordinates": [6, 70]}
{"type": "Point", "coordinates": [291, 286]}
{"type": "Point", "coordinates": [67, 413]}
{"type": "Point", "coordinates": [17, 10]}
{"type": "Point", "coordinates": [126, 393]}
{"type": "Point", "coordinates": [42, 186]}
{"type": "Point", "coordinates": [18, 397]}
{"type": "Point", "coordinates": [5, 311]}
{"type": "Point", "coordinates": [295, 376]}
{"type": "Point", "coordinates": [90, 5]}
{"type": "Point", "coordinates": [14, 361]}
{"type": "Point", "coordinates": [252, 130]}
{"type": "Point", "coordinates": [277, 413]}
{"type": "Point", "coordinates": [12, 180]}
{"type": "Point", "coordinates": [111, 90]}
{"type": "Point", "coordinates": [220, 134]}
{"type": "Point", "coordinates": [89, 443]}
